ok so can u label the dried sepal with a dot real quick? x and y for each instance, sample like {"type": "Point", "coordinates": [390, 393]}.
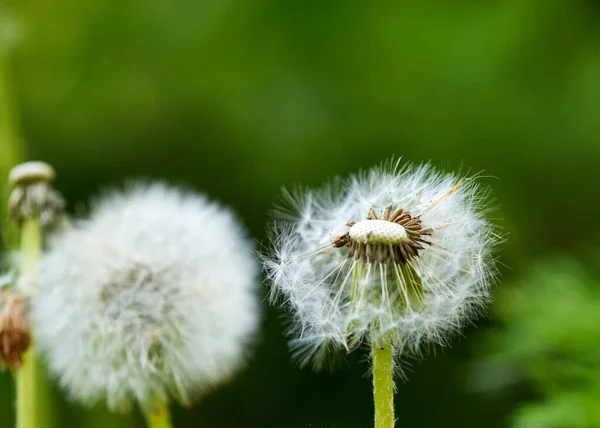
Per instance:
{"type": "Point", "coordinates": [15, 334]}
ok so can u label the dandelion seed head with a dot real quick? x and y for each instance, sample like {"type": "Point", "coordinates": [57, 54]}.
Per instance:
{"type": "Point", "coordinates": [399, 254]}
{"type": "Point", "coordinates": [151, 297]}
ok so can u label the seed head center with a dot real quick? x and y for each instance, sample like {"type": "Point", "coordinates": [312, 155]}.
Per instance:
{"type": "Point", "coordinates": [393, 235]}
{"type": "Point", "coordinates": [378, 232]}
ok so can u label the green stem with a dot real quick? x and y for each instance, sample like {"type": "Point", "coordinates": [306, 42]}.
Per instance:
{"type": "Point", "coordinates": [26, 392]}
{"type": "Point", "coordinates": [31, 248]}
{"type": "Point", "coordinates": [383, 385]}
{"type": "Point", "coordinates": [10, 141]}
{"type": "Point", "coordinates": [27, 406]}
{"type": "Point", "coordinates": [11, 144]}
{"type": "Point", "coordinates": [33, 392]}
{"type": "Point", "coordinates": [159, 416]}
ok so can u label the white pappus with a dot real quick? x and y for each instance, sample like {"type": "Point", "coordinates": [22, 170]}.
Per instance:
{"type": "Point", "coordinates": [396, 254]}
{"type": "Point", "coordinates": [152, 297]}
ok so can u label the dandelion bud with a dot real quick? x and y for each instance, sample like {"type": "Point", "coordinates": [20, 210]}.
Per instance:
{"type": "Point", "coordinates": [15, 336]}
{"type": "Point", "coordinates": [152, 297]}
{"type": "Point", "coordinates": [33, 194]}
{"type": "Point", "coordinates": [395, 255]}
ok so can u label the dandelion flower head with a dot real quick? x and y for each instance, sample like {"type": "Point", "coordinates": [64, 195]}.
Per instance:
{"type": "Point", "coordinates": [396, 254]}
{"type": "Point", "coordinates": [151, 297]}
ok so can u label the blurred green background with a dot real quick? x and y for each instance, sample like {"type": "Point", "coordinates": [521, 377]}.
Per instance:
{"type": "Point", "coordinates": [239, 98]}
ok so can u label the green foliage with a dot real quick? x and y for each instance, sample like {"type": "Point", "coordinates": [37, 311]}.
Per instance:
{"type": "Point", "coordinates": [549, 337]}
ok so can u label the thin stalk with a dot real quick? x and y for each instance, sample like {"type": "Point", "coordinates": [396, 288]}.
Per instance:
{"type": "Point", "coordinates": [159, 416]}
{"type": "Point", "coordinates": [33, 392]}
{"type": "Point", "coordinates": [27, 406]}
{"type": "Point", "coordinates": [31, 248]}
{"type": "Point", "coordinates": [26, 392]}
{"type": "Point", "coordinates": [11, 145]}
{"type": "Point", "coordinates": [383, 385]}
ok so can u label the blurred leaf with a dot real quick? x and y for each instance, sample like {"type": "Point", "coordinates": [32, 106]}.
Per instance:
{"type": "Point", "coordinates": [549, 337]}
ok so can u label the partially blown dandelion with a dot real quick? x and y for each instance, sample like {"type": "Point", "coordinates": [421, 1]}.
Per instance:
{"type": "Point", "coordinates": [152, 297]}
{"type": "Point", "coordinates": [395, 257]}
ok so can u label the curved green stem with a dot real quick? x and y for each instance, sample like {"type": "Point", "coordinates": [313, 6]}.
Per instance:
{"type": "Point", "coordinates": [383, 385]}
{"type": "Point", "coordinates": [159, 416]}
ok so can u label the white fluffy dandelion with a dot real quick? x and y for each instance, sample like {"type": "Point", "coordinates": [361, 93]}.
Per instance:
{"type": "Point", "coordinates": [399, 255]}
{"type": "Point", "coordinates": [152, 297]}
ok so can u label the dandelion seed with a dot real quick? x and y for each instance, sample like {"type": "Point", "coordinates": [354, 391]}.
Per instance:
{"type": "Point", "coordinates": [152, 297]}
